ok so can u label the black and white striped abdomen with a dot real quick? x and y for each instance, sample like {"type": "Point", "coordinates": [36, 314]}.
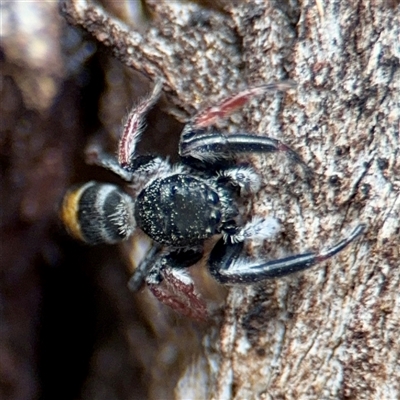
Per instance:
{"type": "Point", "coordinates": [98, 213]}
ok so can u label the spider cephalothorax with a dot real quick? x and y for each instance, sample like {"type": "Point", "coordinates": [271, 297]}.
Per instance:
{"type": "Point", "coordinates": [181, 206]}
{"type": "Point", "coordinates": [183, 210]}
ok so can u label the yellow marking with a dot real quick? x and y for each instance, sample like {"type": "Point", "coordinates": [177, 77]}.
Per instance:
{"type": "Point", "coordinates": [69, 211]}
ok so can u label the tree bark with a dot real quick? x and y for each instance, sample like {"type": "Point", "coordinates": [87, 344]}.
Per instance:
{"type": "Point", "coordinates": [331, 332]}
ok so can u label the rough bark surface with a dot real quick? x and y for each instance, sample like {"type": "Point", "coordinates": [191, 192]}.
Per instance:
{"type": "Point", "coordinates": [331, 332]}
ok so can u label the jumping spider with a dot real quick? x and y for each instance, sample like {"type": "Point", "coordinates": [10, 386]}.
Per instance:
{"type": "Point", "coordinates": [181, 206]}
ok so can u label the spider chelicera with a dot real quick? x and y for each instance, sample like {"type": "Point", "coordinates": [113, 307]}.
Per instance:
{"type": "Point", "coordinates": [181, 206]}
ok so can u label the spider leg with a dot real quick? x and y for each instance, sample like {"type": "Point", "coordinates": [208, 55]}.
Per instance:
{"type": "Point", "coordinates": [165, 273]}
{"type": "Point", "coordinates": [134, 125]}
{"type": "Point", "coordinates": [142, 270]}
{"type": "Point", "coordinates": [242, 176]}
{"type": "Point", "coordinates": [227, 106]}
{"type": "Point", "coordinates": [257, 229]}
{"type": "Point", "coordinates": [96, 156]}
{"type": "Point", "coordinates": [212, 147]}
{"type": "Point", "coordinates": [227, 265]}
{"type": "Point", "coordinates": [208, 146]}
{"type": "Point", "coordinates": [141, 171]}
{"type": "Point", "coordinates": [127, 164]}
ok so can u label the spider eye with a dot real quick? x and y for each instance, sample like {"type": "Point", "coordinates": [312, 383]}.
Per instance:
{"type": "Point", "coordinates": [215, 217]}
{"type": "Point", "coordinates": [213, 198]}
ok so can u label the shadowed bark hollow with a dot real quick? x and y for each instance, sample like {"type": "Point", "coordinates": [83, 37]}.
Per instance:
{"type": "Point", "coordinates": [331, 332]}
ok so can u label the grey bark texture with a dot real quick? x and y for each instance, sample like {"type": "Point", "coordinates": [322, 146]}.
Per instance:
{"type": "Point", "coordinates": [331, 332]}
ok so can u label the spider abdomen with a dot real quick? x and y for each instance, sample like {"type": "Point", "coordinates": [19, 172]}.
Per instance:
{"type": "Point", "coordinates": [179, 210]}
{"type": "Point", "coordinates": [98, 213]}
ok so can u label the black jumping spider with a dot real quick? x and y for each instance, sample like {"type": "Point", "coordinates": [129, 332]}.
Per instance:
{"type": "Point", "coordinates": [181, 206]}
